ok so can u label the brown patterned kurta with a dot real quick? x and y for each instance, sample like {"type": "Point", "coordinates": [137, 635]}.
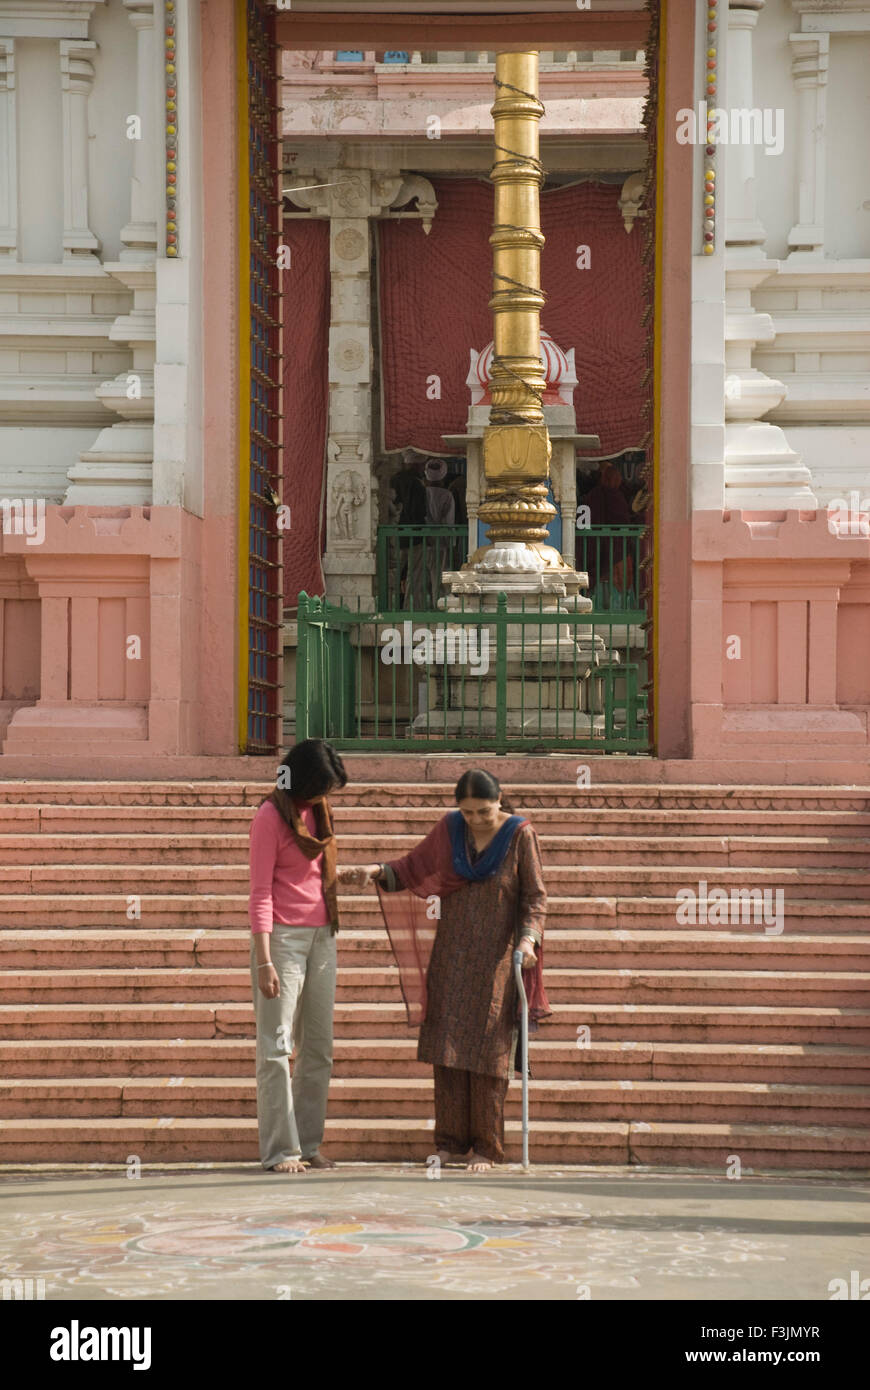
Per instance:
{"type": "Point", "coordinates": [472, 999]}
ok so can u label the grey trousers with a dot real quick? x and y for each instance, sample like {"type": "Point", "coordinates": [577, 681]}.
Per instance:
{"type": "Point", "coordinates": [291, 1114]}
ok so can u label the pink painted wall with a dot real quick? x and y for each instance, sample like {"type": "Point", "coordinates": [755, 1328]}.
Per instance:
{"type": "Point", "coordinates": [99, 632]}
{"type": "Point", "coordinates": [780, 639]}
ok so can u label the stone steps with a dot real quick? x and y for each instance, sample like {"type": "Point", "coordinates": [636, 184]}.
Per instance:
{"type": "Point", "coordinates": [638, 1022]}
{"type": "Point", "coordinates": [228, 1139]}
{"type": "Point", "coordinates": [183, 948]}
{"type": "Point", "coordinates": [696, 1102]}
{"type": "Point", "coordinates": [848, 883]}
{"type": "Point", "coordinates": [134, 1035]}
{"type": "Point", "coordinates": [787, 1063]}
{"type": "Point", "coordinates": [39, 818]}
{"type": "Point", "coordinates": [82, 851]}
{"type": "Point", "coordinates": [381, 795]}
{"type": "Point", "coordinates": [380, 984]}
{"type": "Point", "coordinates": [220, 910]}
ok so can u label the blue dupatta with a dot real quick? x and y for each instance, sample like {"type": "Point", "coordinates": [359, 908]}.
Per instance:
{"type": "Point", "coordinates": [492, 858]}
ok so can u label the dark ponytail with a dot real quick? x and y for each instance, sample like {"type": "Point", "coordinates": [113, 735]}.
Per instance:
{"type": "Point", "coordinates": [481, 785]}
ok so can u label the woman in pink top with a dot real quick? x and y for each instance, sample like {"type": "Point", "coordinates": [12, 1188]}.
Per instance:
{"type": "Point", "coordinates": [294, 919]}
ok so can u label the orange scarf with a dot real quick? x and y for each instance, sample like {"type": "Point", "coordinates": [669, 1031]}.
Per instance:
{"type": "Point", "coordinates": [312, 845]}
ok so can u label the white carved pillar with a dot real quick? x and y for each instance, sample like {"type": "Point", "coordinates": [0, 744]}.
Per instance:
{"type": "Point", "coordinates": [76, 77]}
{"type": "Point", "coordinates": [348, 564]}
{"type": "Point", "coordinates": [762, 471]}
{"type": "Point", "coordinates": [8, 153]}
{"type": "Point", "coordinates": [810, 72]}
{"type": "Point", "coordinates": [119, 464]}
{"type": "Point", "coordinates": [741, 223]}
{"type": "Point", "coordinates": [357, 196]}
{"type": "Point", "coordinates": [140, 234]}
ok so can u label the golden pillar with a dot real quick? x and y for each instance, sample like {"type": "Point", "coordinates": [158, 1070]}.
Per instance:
{"type": "Point", "coordinates": [516, 444]}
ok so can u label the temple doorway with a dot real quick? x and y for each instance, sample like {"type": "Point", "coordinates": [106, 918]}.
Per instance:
{"type": "Point", "coordinates": [385, 282]}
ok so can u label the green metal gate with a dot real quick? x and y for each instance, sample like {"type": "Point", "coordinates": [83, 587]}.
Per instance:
{"type": "Point", "coordinates": [370, 679]}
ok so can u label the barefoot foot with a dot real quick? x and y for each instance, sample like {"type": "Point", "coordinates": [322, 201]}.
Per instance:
{"type": "Point", "coordinates": [290, 1165]}
{"type": "Point", "coordinates": [478, 1164]}
{"type": "Point", "coordinates": [318, 1160]}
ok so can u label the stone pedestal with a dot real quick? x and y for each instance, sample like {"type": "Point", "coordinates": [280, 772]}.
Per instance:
{"type": "Point", "coordinates": [549, 666]}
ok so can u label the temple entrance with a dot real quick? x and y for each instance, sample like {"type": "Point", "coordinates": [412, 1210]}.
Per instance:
{"type": "Point", "coordinates": [387, 375]}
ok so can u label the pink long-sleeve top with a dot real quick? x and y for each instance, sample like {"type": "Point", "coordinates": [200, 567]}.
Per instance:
{"type": "Point", "coordinates": [286, 887]}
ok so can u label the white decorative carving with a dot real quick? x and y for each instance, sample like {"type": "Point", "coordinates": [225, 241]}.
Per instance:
{"type": "Point", "coordinates": [559, 370]}
{"type": "Point", "coordinates": [415, 186]}
{"type": "Point", "coordinates": [630, 199]}
{"type": "Point", "coordinates": [511, 557]}
{"type": "Point", "coordinates": [349, 492]}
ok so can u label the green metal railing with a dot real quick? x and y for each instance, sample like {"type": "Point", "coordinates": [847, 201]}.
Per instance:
{"type": "Point", "coordinates": [411, 560]}
{"type": "Point", "coordinates": [610, 555]}
{"type": "Point", "coordinates": [518, 679]}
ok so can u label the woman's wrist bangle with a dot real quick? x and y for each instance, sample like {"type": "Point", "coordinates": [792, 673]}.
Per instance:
{"type": "Point", "coordinates": [263, 966]}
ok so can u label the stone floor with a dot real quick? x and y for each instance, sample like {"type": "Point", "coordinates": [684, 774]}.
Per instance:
{"type": "Point", "coordinates": [381, 1232]}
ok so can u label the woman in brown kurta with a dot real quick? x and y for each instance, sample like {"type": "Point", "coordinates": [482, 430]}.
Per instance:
{"type": "Point", "coordinates": [483, 866]}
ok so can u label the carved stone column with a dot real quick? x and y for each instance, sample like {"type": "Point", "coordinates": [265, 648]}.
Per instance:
{"type": "Point", "coordinates": [8, 152]}
{"type": "Point", "coordinates": [139, 237]}
{"type": "Point", "coordinates": [810, 72]}
{"type": "Point", "coordinates": [350, 200]}
{"type": "Point", "coordinates": [741, 222]}
{"type": "Point", "coordinates": [76, 77]}
{"type": "Point", "coordinates": [762, 471]}
{"type": "Point", "coordinates": [119, 465]}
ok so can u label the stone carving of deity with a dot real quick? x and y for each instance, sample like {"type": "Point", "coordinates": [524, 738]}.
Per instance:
{"type": "Point", "coordinates": [349, 492]}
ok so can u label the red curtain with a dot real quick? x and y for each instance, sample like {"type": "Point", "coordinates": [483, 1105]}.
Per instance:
{"type": "Point", "coordinates": [433, 298]}
{"type": "Point", "coordinates": [598, 311]}
{"type": "Point", "coordinates": [306, 397]}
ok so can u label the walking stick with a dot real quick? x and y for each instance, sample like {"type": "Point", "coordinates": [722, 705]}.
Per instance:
{"type": "Point", "coordinates": [524, 1034]}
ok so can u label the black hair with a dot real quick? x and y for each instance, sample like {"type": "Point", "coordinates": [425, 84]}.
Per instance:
{"type": "Point", "coordinates": [482, 785]}
{"type": "Point", "coordinates": [314, 770]}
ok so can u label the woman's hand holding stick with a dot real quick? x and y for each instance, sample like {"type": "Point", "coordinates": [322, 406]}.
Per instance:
{"type": "Point", "coordinates": [527, 946]}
